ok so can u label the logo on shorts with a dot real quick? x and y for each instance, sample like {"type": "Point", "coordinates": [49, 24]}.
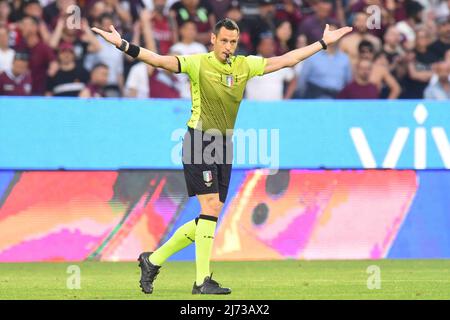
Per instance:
{"type": "Point", "coordinates": [207, 177]}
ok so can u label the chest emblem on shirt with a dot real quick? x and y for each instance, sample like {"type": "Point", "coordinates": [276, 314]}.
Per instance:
{"type": "Point", "coordinates": [229, 80]}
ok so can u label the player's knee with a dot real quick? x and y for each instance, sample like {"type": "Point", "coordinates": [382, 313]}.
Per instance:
{"type": "Point", "coordinates": [214, 206]}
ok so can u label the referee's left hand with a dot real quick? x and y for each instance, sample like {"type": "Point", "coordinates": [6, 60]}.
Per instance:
{"type": "Point", "coordinates": [331, 36]}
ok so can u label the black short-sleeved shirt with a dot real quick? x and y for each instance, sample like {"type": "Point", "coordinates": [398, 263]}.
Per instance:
{"type": "Point", "coordinates": [68, 83]}
{"type": "Point", "coordinates": [413, 89]}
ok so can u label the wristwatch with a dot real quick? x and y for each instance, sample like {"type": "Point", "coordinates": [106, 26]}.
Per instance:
{"type": "Point", "coordinates": [324, 45]}
{"type": "Point", "coordinates": [123, 45]}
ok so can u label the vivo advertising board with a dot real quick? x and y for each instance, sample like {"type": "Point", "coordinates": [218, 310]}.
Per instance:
{"type": "Point", "coordinates": [110, 134]}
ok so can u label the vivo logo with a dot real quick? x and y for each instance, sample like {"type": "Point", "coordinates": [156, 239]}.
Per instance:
{"type": "Point", "coordinates": [398, 142]}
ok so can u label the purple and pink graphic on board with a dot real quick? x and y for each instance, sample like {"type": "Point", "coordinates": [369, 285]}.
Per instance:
{"type": "Point", "coordinates": [300, 214]}
{"type": "Point", "coordinates": [316, 215]}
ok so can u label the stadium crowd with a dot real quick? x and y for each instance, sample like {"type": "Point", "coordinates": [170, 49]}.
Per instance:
{"type": "Point", "coordinates": [399, 49]}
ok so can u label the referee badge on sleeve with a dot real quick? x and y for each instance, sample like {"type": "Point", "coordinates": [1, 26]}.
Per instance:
{"type": "Point", "coordinates": [207, 177]}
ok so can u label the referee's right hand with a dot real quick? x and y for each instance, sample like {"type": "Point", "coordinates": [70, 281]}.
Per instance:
{"type": "Point", "coordinates": [112, 37]}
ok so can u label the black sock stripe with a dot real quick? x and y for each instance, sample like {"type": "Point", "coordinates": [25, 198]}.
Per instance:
{"type": "Point", "coordinates": [206, 217]}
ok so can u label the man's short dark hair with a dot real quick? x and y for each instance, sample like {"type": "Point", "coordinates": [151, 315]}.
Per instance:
{"type": "Point", "coordinates": [227, 24]}
{"type": "Point", "coordinates": [32, 18]}
{"type": "Point", "coordinates": [365, 44]}
{"type": "Point", "coordinates": [99, 65]}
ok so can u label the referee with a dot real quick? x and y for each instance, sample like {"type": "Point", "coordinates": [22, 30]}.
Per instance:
{"type": "Point", "coordinates": [218, 80]}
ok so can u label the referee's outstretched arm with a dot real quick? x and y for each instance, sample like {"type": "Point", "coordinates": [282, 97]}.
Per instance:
{"type": "Point", "coordinates": [169, 63]}
{"type": "Point", "coordinates": [293, 57]}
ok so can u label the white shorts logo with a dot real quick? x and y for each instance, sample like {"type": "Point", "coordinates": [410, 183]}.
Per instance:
{"type": "Point", "coordinates": [207, 177]}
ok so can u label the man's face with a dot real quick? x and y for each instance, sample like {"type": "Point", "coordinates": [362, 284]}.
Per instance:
{"type": "Point", "coordinates": [19, 67]}
{"type": "Point", "coordinates": [364, 69]}
{"type": "Point", "coordinates": [224, 43]}
{"type": "Point", "coordinates": [323, 9]}
{"type": "Point", "coordinates": [392, 36]}
{"type": "Point", "coordinates": [266, 47]}
{"type": "Point", "coordinates": [360, 22]}
{"type": "Point", "coordinates": [266, 10]}
{"type": "Point", "coordinates": [234, 14]}
{"type": "Point", "coordinates": [188, 31]}
{"type": "Point", "coordinates": [366, 53]}
{"type": "Point", "coordinates": [105, 23]}
{"type": "Point", "coordinates": [422, 39]}
{"type": "Point", "coordinates": [4, 9]}
{"type": "Point", "coordinates": [28, 27]}
{"type": "Point", "coordinates": [34, 10]}
{"type": "Point", "coordinates": [444, 31]}
{"type": "Point", "coordinates": [66, 56]}
{"type": "Point", "coordinates": [100, 76]}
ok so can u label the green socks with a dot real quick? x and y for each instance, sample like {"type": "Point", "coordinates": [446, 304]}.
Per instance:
{"type": "Point", "coordinates": [183, 237]}
{"type": "Point", "coordinates": [204, 237]}
{"type": "Point", "coordinates": [202, 233]}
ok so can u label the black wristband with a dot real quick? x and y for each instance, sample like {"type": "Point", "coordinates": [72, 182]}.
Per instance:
{"type": "Point", "coordinates": [133, 50]}
{"type": "Point", "coordinates": [123, 45]}
{"type": "Point", "coordinates": [324, 45]}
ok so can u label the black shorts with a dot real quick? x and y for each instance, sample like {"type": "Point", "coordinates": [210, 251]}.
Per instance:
{"type": "Point", "coordinates": [207, 161]}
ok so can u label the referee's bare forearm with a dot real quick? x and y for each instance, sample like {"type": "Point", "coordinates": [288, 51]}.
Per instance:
{"type": "Point", "coordinates": [170, 63]}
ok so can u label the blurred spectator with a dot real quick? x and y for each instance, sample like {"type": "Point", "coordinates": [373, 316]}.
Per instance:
{"type": "Point", "coordinates": [234, 13]}
{"type": "Point", "coordinates": [197, 11]}
{"type": "Point", "coordinates": [283, 37]}
{"type": "Point", "coordinates": [69, 79]}
{"type": "Point", "coordinates": [5, 12]}
{"type": "Point", "coordinates": [16, 13]}
{"type": "Point", "coordinates": [163, 84]}
{"type": "Point", "coordinates": [219, 7]}
{"type": "Point", "coordinates": [41, 55]}
{"type": "Point", "coordinates": [17, 80]}
{"type": "Point", "coordinates": [419, 65]}
{"type": "Point", "coordinates": [145, 81]}
{"type": "Point", "coordinates": [110, 56]}
{"type": "Point", "coordinates": [98, 81]}
{"type": "Point", "coordinates": [393, 52]}
{"type": "Point", "coordinates": [289, 10]}
{"type": "Point", "coordinates": [6, 53]}
{"type": "Point", "coordinates": [264, 24]}
{"type": "Point", "coordinates": [138, 81]}
{"type": "Point", "coordinates": [186, 46]}
{"type": "Point", "coordinates": [360, 87]}
{"type": "Point", "coordinates": [84, 41]}
{"type": "Point", "coordinates": [440, 90]}
{"type": "Point", "coordinates": [56, 9]}
{"type": "Point", "coordinates": [349, 43]}
{"type": "Point", "coordinates": [414, 19]}
{"type": "Point", "coordinates": [312, 26]}
{"type": "Point", "coordinates": [324, 74]}
{"type": "Point", "coordinates": [388, 10]}
{"type": "Point", "coordinates": [271, 86]}
{"type": "Point", "coordinates": [32, 8]}
{"type": "Point", "coordinates": [162, 31]}
{"type": "Point", "coordinates": [442, 44]}
{"type": "Point", "coordinates": [121, 13]}
{"type": "Point", "coordinates": [387, 85]}
{"type": "Point", "coordinates": [440, 8]}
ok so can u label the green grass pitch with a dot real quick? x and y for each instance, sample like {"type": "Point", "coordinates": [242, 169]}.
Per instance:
{"type": "Point", "coordinates": [266, 280]}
